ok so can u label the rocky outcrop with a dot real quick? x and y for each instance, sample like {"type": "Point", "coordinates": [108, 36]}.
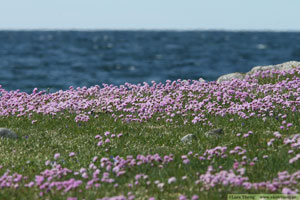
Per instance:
{"type": "Point", "coordinates": [282, 67]}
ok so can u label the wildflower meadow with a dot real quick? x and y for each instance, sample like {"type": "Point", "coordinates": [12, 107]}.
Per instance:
{"type": "Point", "coordinates": [123, 142]}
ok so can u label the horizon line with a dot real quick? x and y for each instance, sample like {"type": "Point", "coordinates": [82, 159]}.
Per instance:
{"type": "Point", "coordinates": [148, 29]}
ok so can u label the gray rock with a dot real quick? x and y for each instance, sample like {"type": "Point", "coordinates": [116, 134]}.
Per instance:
{"type": "Point", "coordinates": [282, 67]}
{"type": "Point", "coordinates": [201, 80]}
{"type": "Point", "coordinates": [189, 138]}
{"type": "Point", "coordinates": [231, 76]}
{"type": "Point", "coordinates": [7, 133]}
{"type": "Point", "coordinates": [214, 132]}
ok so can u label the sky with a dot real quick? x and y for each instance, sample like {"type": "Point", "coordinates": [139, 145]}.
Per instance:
{"type": "Point", "coordinates": [276, 15]}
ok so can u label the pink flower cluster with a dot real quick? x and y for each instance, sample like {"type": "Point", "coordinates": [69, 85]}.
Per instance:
{"type": "Point", "coordinates": [283, 183]}
{"type": "Point", "coordinates": [164, 101]}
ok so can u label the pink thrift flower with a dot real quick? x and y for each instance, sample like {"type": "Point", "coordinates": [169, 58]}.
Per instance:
{"type": "Point", "coordinates": [160, 185]}
{"type": "Point", "coordinates": [201, 158]}
{"type": "Point", "coordinates": [82, 170]}
{"type": "Point", "coordinates": [186, 161]}
{"type": "Point", "coordinates": [270, 142]}
{"type": "Point", "coordinates": [171, 180]}
{"type": "Point", "coordinates": [72, 198]}
{"type": "Point", "coordinates": [100, 143]}
{"type": "Point", "coordinates": [195, 197]}
{"type": "Point", "coordinates": [98, 137]}
{"type": "Point", "coordinates": [47, 162]}
{"type": "Point", "coordinates": [286, 190]}
{"type": "Point", "coordinates": [289, 125]}
{"type": "Point", "coordinates": [184, 177]}
{"type": "Point", "coordinates": [56, 156]}
{"type": "Point", "coordinates": [182, 197]}
{"type": "Point", "coordinates": [95, 158]}
{"type": "Point", "coordinates": [277, 134]}
{"type": "Point", "coordinates": [72, 154]}
{"type": "Point", "coordinates": [265, 156]}
{"type": "Point", "coordinates": [85, 175]}
{"type": "Point", "coordinates": [184, 157]}
{"type": "Point", "coordinates": [236, 165]}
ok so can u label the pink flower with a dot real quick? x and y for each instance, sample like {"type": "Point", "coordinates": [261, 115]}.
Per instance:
{"type": "Point", "coordinates": [186, 161]}
{"type": "Point", "coordinates": [277, 134]}
{"type": "Point", "coordinates": [100, 143]}
{"type": "Point", "coordinates": [195, 197]}
{"type": "Point", "coordinates": [235, 165]}
{"type": "Point", "coordinates": [95, 158]}
{"type": "Point", "coordinates": [72, 198]}
{"type": "Point", "coordinates": [56, 156]}
{"type": "Point", "coordinates": [286, 190]}
{"type": "Point", "coordinates": [98, 137]}
{"type": "Point", "coordinates": [182, 197]}
{"type": "Point", "coordinates": [171, 180]}
{"type": "Point", "coordinates": [47, 162]}
{"type": "Point", "coordinates": [270, 142]}
{"type": "Point", "coordinates": [71, 154]}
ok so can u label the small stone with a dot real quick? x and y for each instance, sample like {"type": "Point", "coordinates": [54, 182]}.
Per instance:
{"type": "Point", "coordinates": [7, 133]}
{"type": "Point", "coordinates": [201, 80]}
{"type": "Point", "coordinates": [214, 132]}
{"type": "Point", "coordinates": [189, 138]}
{"type": "Point", "coordinates": [230, 77]}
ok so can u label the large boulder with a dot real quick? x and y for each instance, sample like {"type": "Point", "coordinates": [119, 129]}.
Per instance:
{"type": "Point", "coordinates": [7, 133]}
{"type": "Point", "coordinates": [230, 77]}
{"type": "Point", "coordinates": [282, 67]}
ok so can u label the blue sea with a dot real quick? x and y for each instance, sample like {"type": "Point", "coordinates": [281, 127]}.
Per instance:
{"type": "Point", "coordinates": [59, 59]}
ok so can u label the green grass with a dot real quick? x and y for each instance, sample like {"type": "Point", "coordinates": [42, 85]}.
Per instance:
{"type": "Point", "coordinates": [40, 141]}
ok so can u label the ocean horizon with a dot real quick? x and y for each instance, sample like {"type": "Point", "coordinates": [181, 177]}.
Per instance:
{"type": "Point", "coordinates": [58, 59]}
